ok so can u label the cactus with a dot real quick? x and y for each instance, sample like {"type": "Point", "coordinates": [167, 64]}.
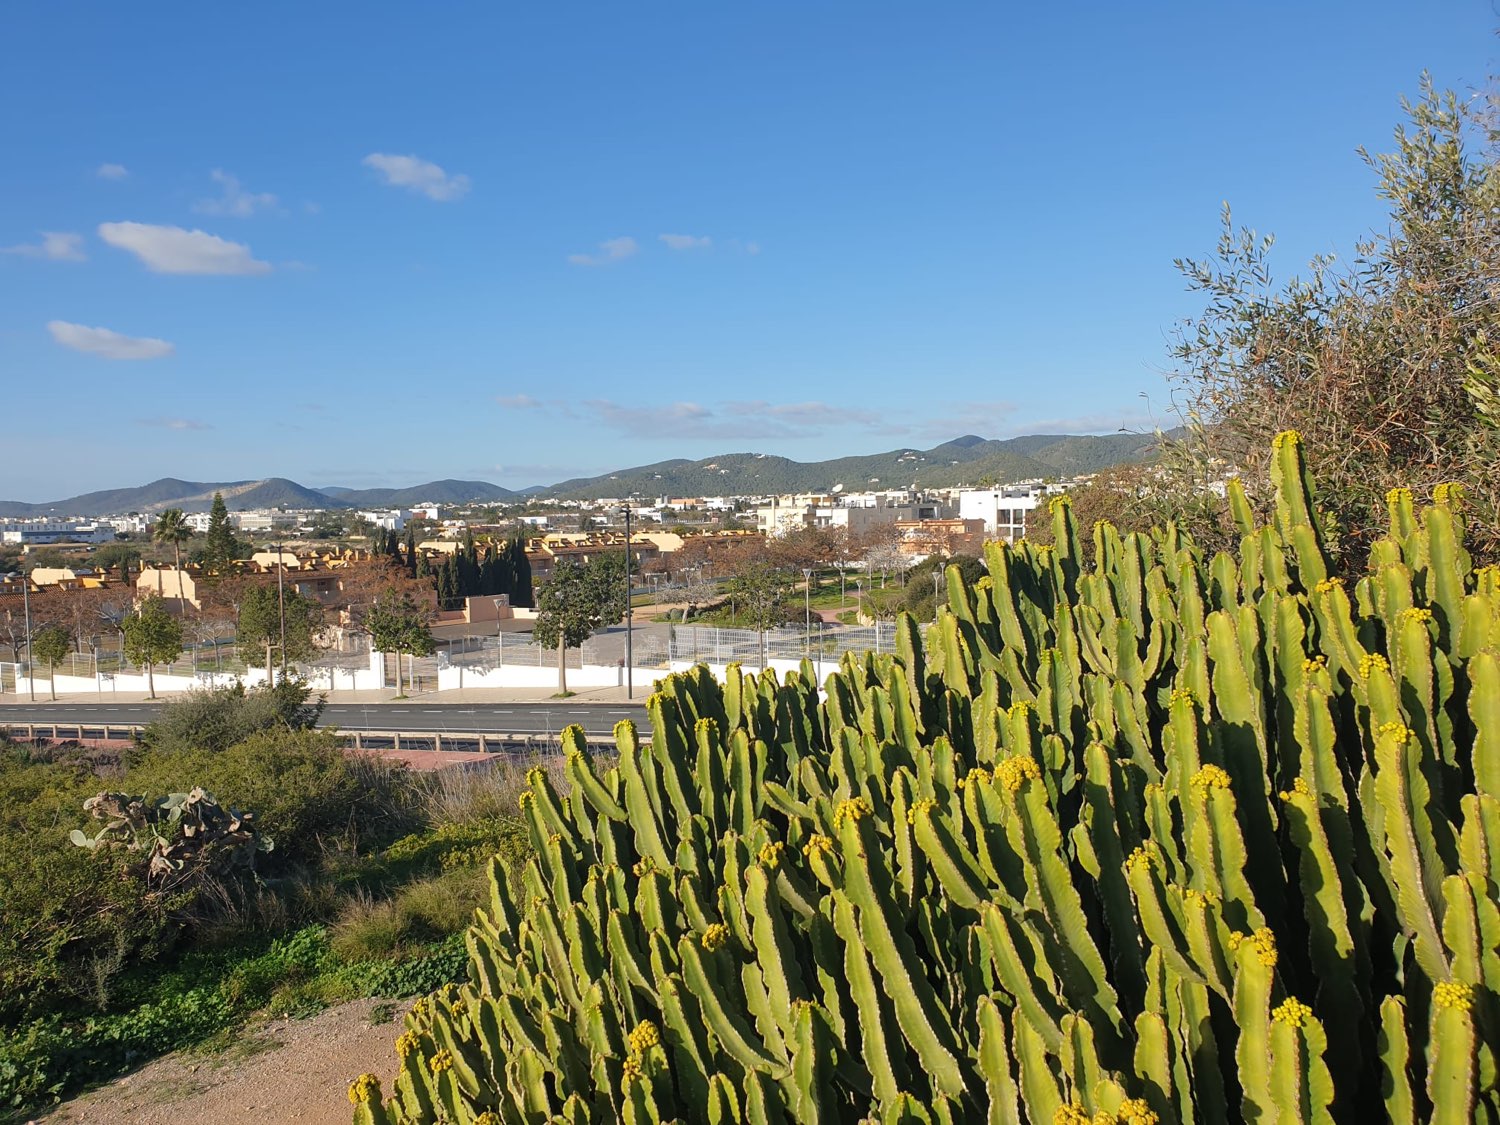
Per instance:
{"type": "Point", "coordinates": [1164, 838]}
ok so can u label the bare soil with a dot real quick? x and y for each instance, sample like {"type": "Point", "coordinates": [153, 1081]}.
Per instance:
{"type": "Point", "coordinates": [278, 1070]}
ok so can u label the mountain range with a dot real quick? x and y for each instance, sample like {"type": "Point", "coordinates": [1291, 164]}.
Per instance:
{"type": "Point", "coordinates": [967, 460]}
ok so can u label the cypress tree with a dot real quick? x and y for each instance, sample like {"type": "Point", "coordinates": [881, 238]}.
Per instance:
{"type": "Point", "coordinates": [520, 593]}
{"type": "Point", "coordinates": [411, 552]}
{"type": "Point", "coordinates": [220, 548]}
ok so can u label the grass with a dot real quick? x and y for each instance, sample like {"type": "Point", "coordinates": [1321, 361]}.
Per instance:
{"type": "Point", "coordinates": [358, 920]}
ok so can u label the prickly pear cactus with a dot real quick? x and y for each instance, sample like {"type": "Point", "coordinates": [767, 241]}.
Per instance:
{"type": "Point", "coordinates": [1164, 838]}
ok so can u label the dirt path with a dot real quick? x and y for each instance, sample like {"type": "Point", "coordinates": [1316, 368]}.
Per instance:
{"type": "Point", "coordinates": [282, 1070]}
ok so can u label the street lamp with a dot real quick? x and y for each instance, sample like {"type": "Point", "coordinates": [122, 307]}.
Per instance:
{"type": "Point", "coordinates": [629, 613]}
{"type": "Point", "coordinates": [281, 602]}
{"type": "Point", "coordinates": [807, 607]}
{"type": "Point", "coordinates": [26, 602]}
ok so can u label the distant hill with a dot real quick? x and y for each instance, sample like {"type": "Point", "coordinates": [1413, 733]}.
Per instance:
{"type": "Point", "coordinates": [190, 496]}
{"type": "Point", "coordinates": [967, 460]}
{"type": "Point", "coordinates": [436, 492]}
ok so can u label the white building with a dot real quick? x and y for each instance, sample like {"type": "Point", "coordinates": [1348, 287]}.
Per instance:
{"type": "Point", "coordinates": [1002, 509]}
{"type": "Point", "coordinates": [392, 520]}
{"type": "Point", "coordinates": [28, 533]}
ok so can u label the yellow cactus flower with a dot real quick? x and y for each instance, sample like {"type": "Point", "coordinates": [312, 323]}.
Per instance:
{"type": "Point", "coordinates": [644, 1037]}
{"type": "Point", "coordinates": [488, 1117]}
{"type": "Point", "coordinates": [1415, 614]}
{"type": "Point", "coordinates": [1293, 1012]}
{"type": "Point", "coordinates": [630, 1070]}
{"type": "Point", "coordinates": [1299, 787]}
{"type": "Point", "coordinates": [1140, 859]}
{"type": "Point", "coordinates": [1286, 438]}
{"type": "Point", "coordinates": [1262, 941]}
{"type": "Point", "coordinates": [1014, 772]}
{"type": "Point", "coordinates": [770, 855]}
{"type": "Point", "coordinates": [1314, 664]}
{"type": "Point", "coordinates": [852, 809]}
{"type": "Point", "coordinates": [1135, 1111]}
{"type": "Point", "coordinates": [526, 797]}
{"type": "Point", "coordinates": [715, 937]}
{"type": "Point", "coordinates": [1371, 663]}
{"type": "Point", "coordinates": [535, 774]}
{"type": "Point", "coordinates": [442, 1060]}
{"type": "Point", "coordinates": [1328, 585]}
{"type": "Point", "coordinates": [1182, 697]}
{"type": "Point", "coordinates": [1071, 1114]}
{"type": "Point", "coordinates": [1019, 707]}
{"type": "Point", "coordinates": [1453, 994]}
{"type": "Point", "coordinates": [1397, 495]}
{"type": "Point", "coordinates": [458, 1008]}
{"type": "Point", "coordinates": [1449, 492]}
{"type": "Point", "coordinates": [1059, 502]}
{"type": "Point", "coordinates": [407, 1042]}
{"type": "Point", "coordinates": [1399, 731]}
{"type": "Point", "coordinates": [817, 844]}
{"type": "Point", "coordinates": [925, 805]}
{"type": "Point", "coordinates": [365, 1088]}
{"type": "Point", "coordinates": [1211, 777]}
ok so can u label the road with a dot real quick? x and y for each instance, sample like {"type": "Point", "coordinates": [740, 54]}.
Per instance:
{"type": "Point", "coordinates": [413, 716]}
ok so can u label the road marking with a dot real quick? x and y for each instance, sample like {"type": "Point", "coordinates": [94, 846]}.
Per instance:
{"type": "Point", "coordinates": [433, 711]}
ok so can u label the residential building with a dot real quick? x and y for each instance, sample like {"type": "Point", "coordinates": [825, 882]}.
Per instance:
{"type": "Point", "coordinates": [1003, 510]}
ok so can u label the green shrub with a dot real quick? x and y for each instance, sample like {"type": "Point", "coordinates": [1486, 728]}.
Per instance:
{"type": "Point", "coordinates": [306, 792]}
{"type": "Point", "coordinates": [214, 719]}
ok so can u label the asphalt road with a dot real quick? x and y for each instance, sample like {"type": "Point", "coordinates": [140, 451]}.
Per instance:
{"type": "Point", "coordinates": [413, 717]}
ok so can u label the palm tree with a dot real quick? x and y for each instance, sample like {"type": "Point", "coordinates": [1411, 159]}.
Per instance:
{"type": "Point", "coordinates": [172, 527]}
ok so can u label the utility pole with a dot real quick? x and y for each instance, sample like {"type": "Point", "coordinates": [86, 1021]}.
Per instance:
{"type": "Point", "coordinates": [629, 613]}
{"type": "Point", "coordinates": [281, 602]}
{"type": "Point", "coordinates": [26, 600]}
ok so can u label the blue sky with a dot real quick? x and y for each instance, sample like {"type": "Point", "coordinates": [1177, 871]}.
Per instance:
{"type": "Point", "coordinates": [375, 243]}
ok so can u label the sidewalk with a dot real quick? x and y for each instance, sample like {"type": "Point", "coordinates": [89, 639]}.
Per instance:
{"type": "Point", "coordinates": [370, 698]}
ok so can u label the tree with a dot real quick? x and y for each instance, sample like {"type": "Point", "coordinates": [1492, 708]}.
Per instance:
{"type": "Point", "coordinates": [760, 591]}
{"type": "Point", "coordinates": [152, 636]}
{"type": "Point", "coordinates": [220, 547]}
{"type": "Point", "coordinates": [50, 645]}
{"type": "Point", "coordinates": [1388, 365]}
{"type": "Point", "coordinates": [258, 628]}
{"type": "Point", "coordinates": [122, 556]}
{"type": "Point", "coordinates": [172, 527]}
{"type": "Point", "coordinates": [398, 623]}
{"type": "Point", "coordinates": [576, 602]}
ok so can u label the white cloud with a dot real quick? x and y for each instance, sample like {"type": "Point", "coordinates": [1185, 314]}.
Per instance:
{"type": "Point", "coordinates": [173, 423]}
{"type": "Point", "coordinates": [610, 251]}
{"type": "Point", "coordinates": [234, 200]}
{"type": "Point", "coordinates": [752, 248]}
{"type": "Point", "coordinates": [686, 241]}
{"type": "Point", "coordinates": [55, 246]}
{"type": "Point", "coordinates": [175, 250]}
{"type": "Point", "coordinates": [111, 171]}
{"type": "Point", "coordinates": [109, 345]}
{"type": "Point", "coordinates": [519, 402]}
{"type": "Point", "coordinates": [418, 175]}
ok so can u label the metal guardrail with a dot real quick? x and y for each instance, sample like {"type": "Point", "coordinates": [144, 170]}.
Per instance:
{"type": "Point", "coordinates": [72, 732]}
{"type": "Point", "coordinates": [469, 742]}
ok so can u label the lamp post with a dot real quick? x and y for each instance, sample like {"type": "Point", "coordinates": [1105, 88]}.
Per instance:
{"type": "Point", "coordinates": [629, 613]}
{"type": "Point", "coordinates": [26, 603]}
{"type": "Point", "coordinates": [281, 602]}
{"type": "Point", "coordinates": [807, 609]}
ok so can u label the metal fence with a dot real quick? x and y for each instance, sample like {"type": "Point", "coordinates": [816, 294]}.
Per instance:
{"type": "Point", "coordinates": [718, 645]}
